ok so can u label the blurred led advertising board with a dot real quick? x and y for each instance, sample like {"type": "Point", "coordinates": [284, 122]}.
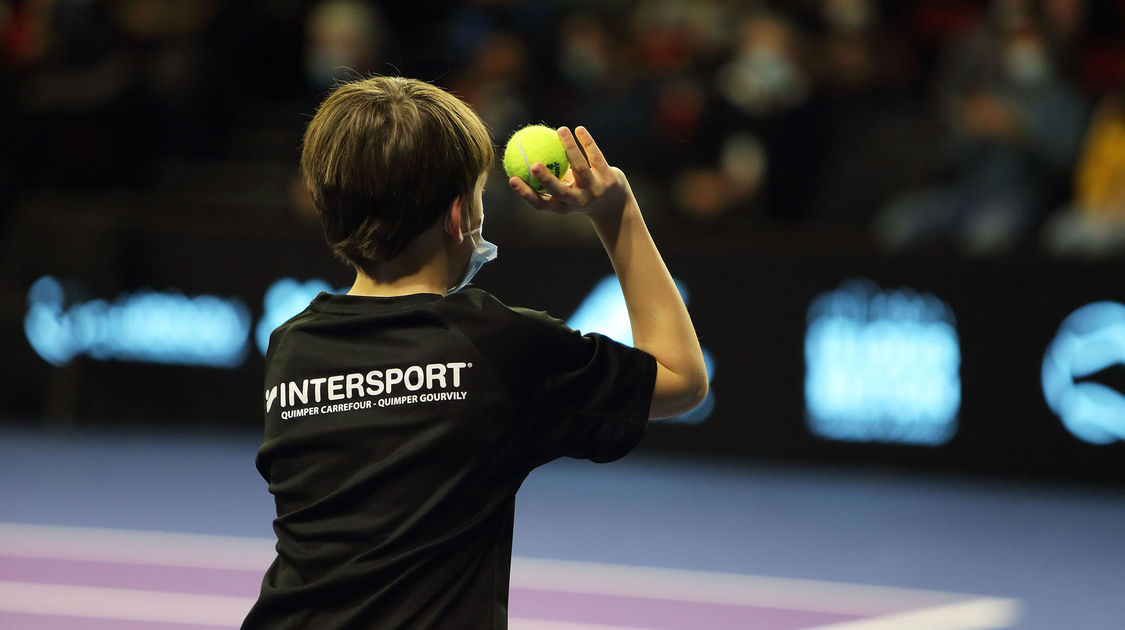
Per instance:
{"type": "Point", "coordinates": [882, 366]}
{"type": "Point", "coordinates": [603, 311]}
{"type": "Point", "coordinates": [1091, 340]}
{"type": "Point", "coordinates": [1003, 367]}
{"type": "Point", "coordinates": [145, 326]}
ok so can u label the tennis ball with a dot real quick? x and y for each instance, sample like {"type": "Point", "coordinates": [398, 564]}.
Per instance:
{"type": "Point", "coordinates": [534, 143]}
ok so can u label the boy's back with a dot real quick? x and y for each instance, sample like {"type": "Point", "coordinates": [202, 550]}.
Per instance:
{"type": "Point", "coordinates": [402, 417]}
{"type": "Point", "coordinates": [398, 430]}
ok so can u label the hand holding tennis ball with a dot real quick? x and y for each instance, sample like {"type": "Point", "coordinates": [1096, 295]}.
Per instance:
{"type": "Point", "coordinates": [532, 144]}
{"type": "Point", "coordinates": [591, 186]}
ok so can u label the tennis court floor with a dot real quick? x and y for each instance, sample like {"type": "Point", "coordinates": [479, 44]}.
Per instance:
{"type": "Point", "coordinates": [171, 531]}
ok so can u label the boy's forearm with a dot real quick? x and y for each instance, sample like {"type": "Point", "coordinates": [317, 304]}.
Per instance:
{"type": "Point", "coordinates": [660, 321]}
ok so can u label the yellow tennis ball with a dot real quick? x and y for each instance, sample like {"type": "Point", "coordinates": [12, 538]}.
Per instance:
{"type": "Point", "coordinates": [534, 143]}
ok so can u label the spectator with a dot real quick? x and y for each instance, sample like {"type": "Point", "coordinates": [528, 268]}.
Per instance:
{"type": "Point", "coordinates": [1087, 37]}
{"type": "Point", "coordinates": [867, 69]}
{"type": "Point", "coordinates": [1093, 224]}
{"type": "Point", "coordinates": [171, 57]}
{"type": "Point", "coordinates": [766, 129]}
{"type": "Point", "coordinates": [818, 110]}
{"type": "Point", "coordinates": [603, 86]}
{"type": "Point", "coordinates": [343, 40]}
{"type": "Point", "coordinates": [495, 81]}
{"type": "Point", "coordinates": [1014, 128]}
{"type": "Point", "coordinates": [84, 118]}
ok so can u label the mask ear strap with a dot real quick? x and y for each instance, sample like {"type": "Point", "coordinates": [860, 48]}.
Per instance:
{"type": "Point", "coordinates": [468, 216]}
{"type": "Point", "coordinates": [450, 220]}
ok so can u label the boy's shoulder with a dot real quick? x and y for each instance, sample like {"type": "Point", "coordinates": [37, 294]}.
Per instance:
{"type": "Point", "coordinates": [282, 329]}
{"type": "Point", "coordinates": [487, 304]}
{"type": "Point", "coordinates": [482, 311]}
{"type": "Point", "coordinates": [478, 315]}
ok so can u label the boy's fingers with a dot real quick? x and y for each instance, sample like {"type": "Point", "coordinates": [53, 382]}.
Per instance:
{"type": "Point", "coordinates": [536, 200]}
{"type": "Point", "coordinates": [597, 160]}
{"type": "Point", "coordinates": [527, 194]}
{"type": "Point", "coordinates": [551, 184]}
{"type": "Point", "coordinates": [578, 165]}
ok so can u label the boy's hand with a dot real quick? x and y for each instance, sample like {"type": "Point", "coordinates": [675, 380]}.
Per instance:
{"type": "Point", "coordinates": [591, 187]}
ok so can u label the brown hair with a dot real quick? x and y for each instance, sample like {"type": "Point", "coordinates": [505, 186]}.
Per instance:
{"type": "Point", "coordinates": [383, 159]}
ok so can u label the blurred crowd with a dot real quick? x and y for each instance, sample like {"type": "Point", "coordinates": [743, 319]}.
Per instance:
{"type": "Point", "coordinates": [977, 126]}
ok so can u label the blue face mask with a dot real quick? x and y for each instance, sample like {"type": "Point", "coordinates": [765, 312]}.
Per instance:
{"type": "Point", "coordinates": [483, 252]}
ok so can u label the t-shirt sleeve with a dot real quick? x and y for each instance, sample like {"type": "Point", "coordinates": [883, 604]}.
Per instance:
{"type": "Point", "coordinates": [590, 397]}
{"type": "Point", "coordinates": [584, 396]}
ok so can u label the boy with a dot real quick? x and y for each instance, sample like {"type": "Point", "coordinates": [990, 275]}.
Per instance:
{"type": "Point", "coordinates": [402, 417]}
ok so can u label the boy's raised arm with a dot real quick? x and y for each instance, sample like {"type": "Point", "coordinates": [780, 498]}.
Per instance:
{"type": "Point", "coordinates": [660, 321]}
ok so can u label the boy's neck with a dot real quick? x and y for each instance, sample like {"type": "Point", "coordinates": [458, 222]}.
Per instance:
{"type": "Point", "coordinates": [422, 268]}
{"type": "Point", "coordinates": [365, 285]}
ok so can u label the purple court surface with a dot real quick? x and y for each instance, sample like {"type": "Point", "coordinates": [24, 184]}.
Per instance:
{"type": "Point", "coordinates": [171, 531]}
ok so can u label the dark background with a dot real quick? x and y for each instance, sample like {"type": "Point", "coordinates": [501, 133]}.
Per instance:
{"type": "Point", "coordinates": [153, 144]}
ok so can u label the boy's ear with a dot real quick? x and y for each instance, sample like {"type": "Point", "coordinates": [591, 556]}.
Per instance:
{"type": "Point", "coordinates": [453, 221]}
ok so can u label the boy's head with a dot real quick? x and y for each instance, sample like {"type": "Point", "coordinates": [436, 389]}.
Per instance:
{"type": "Point", "coordinates": [384, 158]}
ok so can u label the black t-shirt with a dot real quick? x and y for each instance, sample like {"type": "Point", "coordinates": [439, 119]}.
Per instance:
{"type": "Point", "coordinates": [397, 431]}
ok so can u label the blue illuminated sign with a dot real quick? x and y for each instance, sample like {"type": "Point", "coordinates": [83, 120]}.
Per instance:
{"type": "Point", "coordinates": [604, 311]}
{"type": "Point", "coordinates": [146, 326]}
{"type": "Point", "coordinates": [284, 299]}
{"type": "Point", "coordinates": [882, 366]}
{"type": "Point", "coordinates": [1089, 340]}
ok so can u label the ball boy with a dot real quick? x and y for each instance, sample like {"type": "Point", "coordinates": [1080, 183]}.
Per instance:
{"type": "Point", "coordinates": [402, 417]}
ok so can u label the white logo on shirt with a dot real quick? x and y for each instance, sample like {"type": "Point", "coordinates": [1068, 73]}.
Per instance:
{"type": "Point", "coordinates": [355, 390]}
{"type": "Point", "coordinates": [271, 394]}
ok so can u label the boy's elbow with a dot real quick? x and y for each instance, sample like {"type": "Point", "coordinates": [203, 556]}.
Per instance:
{"type": "Point", "coordinates": [680, 396]}
{"type": "Point", "coordinates": [702, 387]}
{"type": "Point", "coordinates": [688, 399]}
{"type": "Point", "coordinates": [696, 391]}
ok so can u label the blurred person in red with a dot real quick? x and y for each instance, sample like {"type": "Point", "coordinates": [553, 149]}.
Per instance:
{"type": "Point", "coordinates": [1088, 37]}
{"type": "Point", "coordinates": [84, 118]}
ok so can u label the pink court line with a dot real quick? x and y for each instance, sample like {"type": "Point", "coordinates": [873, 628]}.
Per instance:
{"type": "Point", "coordinates": [48, 601]}
{"type": "Point", "coordinates": [25, 621]}
{"type": "Point", "coordinates": [122, 604]}
{"type": "Point", "coordinates": [146, 577]}
{"type": "Point", "coordinates": [148, 551]}
{"type": "Point", "coordinates": [657, 614]}
{"type": "Point", "coordinates": [647, 612]}
{"type": "Point", "coordinates": [661, 614]}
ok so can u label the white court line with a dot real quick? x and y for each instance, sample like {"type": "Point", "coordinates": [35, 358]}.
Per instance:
{"type": "Point", "coordinates": [255, 554]}
{"type": "Point", "coordinates": [124, 604]}
{"type": "Point", "coordinates": [516, 623]}
{"type": "Point", "coordinates": [978, 614]}
{"type": "Point", "coordinates": [721, 588]}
